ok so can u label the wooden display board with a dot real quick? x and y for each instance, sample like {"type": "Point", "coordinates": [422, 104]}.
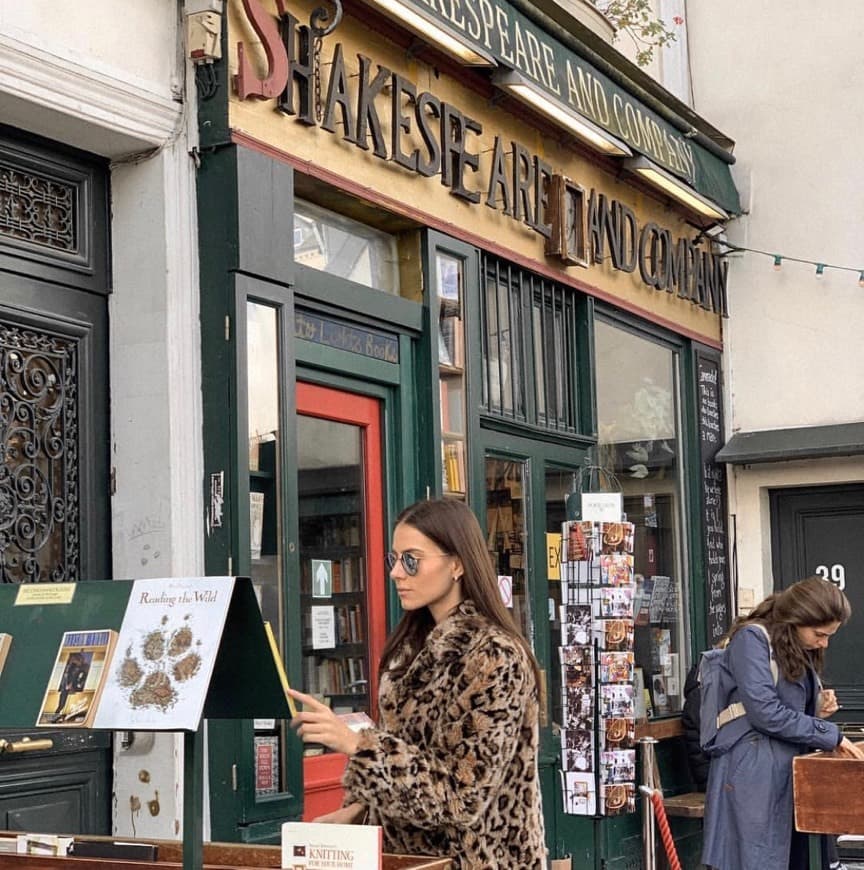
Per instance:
{"type": "Point", "coordinates": [37, 615]}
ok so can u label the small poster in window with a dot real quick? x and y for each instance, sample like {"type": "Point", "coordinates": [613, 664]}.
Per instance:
{"type": "Point", "coordinates": [266, 765]}
{"type": "Point", "coordinates": [323, 627]}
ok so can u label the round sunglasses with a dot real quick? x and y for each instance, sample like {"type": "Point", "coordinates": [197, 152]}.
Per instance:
{"type": "Point", "coordinates": [410, 562]}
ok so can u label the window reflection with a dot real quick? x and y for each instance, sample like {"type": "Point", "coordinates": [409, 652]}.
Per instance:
{"type": "Point", "coordinates": [640, 443]}
{"type": "Point", "coordinates": [507, 538]}
{"type": "Point", "coordinates": [344, 247]}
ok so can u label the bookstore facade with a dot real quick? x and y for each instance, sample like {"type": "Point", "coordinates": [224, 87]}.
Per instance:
{"type": "Point", "coordinates": [415, 283]}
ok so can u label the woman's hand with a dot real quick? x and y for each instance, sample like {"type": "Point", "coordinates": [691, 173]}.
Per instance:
{"type": "Point", "coordinates": [350, 815]}
{"type": "Point", "coordinates": [829, 705]}
{"type": "Point", "coordinates": [848, 749]}
{"type": "Point", "coordinates": [317, 723]}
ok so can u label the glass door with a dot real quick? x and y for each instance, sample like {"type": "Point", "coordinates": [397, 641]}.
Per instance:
{"type": "Point", "coordinates": [341, 555]}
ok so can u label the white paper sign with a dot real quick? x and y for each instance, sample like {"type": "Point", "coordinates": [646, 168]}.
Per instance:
{"type": "Point", "coordinates": [323, 627]}
{"type": "Point", "coordinates": [602, 507]}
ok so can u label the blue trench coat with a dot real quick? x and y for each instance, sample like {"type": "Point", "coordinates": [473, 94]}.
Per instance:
{"type": "Point", "coordinates": [748, 803]}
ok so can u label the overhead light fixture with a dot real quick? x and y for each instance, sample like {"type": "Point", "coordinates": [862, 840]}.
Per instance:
{"type": "Point", "coordinates": [435, 33]}
{"type": "Point", "coordinates": [516, 84]}
{"type": "Point", "coordinates": [778, 262]}
{"type": "Point", "coordinates": [675, 187]}
{"type": "Point", "coordinates": [820, 270]}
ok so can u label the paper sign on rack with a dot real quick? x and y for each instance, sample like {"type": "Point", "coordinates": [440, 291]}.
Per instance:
{"type": "Point", "coordinates": [166, 652]}
{"type": "Point", "coordinates": [602, 507]}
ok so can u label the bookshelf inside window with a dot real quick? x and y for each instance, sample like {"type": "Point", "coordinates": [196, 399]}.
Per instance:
{"type": "Point", "coordinates": [451, 373]}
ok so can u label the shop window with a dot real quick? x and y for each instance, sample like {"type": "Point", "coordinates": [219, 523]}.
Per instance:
{"type": "Point", "coordinates": [506, 513]}
{"type": "Point", "coordinates": [346, 248]}
{"type": "Point", "coordinates": [529, 348]}
{"type": "Point", "coordinates": [639, 445]}
{"type": "Point", "coordinates": [265, 518]}
{"type": "Point", "coordinates": [450, 295]}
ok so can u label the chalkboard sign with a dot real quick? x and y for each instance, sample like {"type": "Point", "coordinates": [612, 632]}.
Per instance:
{"type": "Point", "coordinates": [715, 536]}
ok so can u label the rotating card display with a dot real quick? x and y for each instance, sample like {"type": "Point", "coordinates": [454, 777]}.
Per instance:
{"type": "Point", "coordinates": [598, 703]}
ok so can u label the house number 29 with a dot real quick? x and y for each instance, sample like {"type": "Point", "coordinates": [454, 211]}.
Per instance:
{"type": "Point", "coordinates": [835, 574]}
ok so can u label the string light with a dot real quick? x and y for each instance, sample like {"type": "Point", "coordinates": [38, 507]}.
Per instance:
{"type": "Point", "coordinates": [780, 258]}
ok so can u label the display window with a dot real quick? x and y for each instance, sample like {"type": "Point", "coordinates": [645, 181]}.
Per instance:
{"type": "Point", "coordinates": [640, 448]}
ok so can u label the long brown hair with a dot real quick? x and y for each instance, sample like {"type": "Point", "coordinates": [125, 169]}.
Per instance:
{"type": "Point", "coordinates": [452, 525]}
{"type": "Point", "coordinates": [808, 603]}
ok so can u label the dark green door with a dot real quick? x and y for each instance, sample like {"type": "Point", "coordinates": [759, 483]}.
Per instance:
{"type": "Point", "coordinates": [54, 438]}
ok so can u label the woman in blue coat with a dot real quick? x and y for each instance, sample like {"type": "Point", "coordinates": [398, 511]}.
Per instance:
{"type": "Point", "coordinates": [749, 815]}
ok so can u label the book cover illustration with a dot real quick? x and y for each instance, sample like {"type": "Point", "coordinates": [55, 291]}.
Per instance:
{"type": "Point", "coordinates": [580, 541]}
{"type": "Point", "coordinates": [166, 651]}
{"type": "Point", "coordinates": [616, 667]}
{"type": "Point", "coordinates": [578, 707]}
{"type": "Point", "coordinates": [614, 634]}
{"type": "Point", "coordinates": [616, 538]}
{"type": "Point", "coordinates": [77, 679]}
{"type": "Point", "coordinates": [577, 749]}
{"type": "Point", "coordinates": [324, 846]}
{"type": "Point", "coordinates": [577, 666]}
{"type": "Point", "coordinates": [616, 569]}
{"type": "Point", "coordinates": [618, 798]}
{"type": "Point", "coordinates": [614, 602]}
{"type": "Point", "coordinates": [575, 624]}
{"type": "Point", "coordinates": [617, 701]}
{"type": "Point", "coordinates": [580, 796]}
{"type": "Point", "coordinates": [618, 765]}
{"type": "Point", "coordinates": [618, 733]}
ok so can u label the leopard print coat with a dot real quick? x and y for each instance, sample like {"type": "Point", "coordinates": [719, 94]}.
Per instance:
{"type": "Point", "coordinates": [451, 770]}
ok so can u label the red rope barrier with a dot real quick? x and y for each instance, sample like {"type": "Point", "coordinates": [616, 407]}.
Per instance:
{"type": "Point", "coordinates": [665, 832]}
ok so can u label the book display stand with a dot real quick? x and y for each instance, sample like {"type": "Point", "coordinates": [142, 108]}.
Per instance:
{"type": "Point", "coordinates": [185, 650]}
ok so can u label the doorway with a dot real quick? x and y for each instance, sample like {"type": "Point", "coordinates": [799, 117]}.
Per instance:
{"type": "Point", "coordinates": [54, 440]}
{"type": "Point", "coordinates": [817, 530]}
{"type": "Point", "coordinates": [341, 552]}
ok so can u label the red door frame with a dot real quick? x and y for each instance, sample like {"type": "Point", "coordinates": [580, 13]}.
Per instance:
{"type": "Point", "coordinates": [322, 774]}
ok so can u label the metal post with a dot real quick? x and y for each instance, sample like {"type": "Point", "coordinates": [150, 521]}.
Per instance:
{"type": "Point", "coordinates": [648, 839]}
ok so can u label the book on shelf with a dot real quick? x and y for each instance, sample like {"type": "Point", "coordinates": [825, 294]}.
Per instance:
{"type": "Point", "coordinates": [454, 466]}
{"type": "Point", "coordinates": [77, 679]}
{"type": "Point", "coordinates": [167, 648]}
{"type": "Point", "coordinates": [5, 643]}
{"type": "Point", "coordinates": [318, 845]}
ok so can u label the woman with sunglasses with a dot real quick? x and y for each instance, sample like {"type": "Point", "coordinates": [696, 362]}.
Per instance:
{"type": "Point", "coordinates": [451, 768]}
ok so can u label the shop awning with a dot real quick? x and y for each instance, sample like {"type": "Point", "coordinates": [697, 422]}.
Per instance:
{"type": "Point", "coordinates": [503, 37]}
{"type": "Point", "coordinates": [785, 445]}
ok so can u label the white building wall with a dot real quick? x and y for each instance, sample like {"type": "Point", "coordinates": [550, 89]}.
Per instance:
{"type": "Point", "coordinates": [784, 81]}
{"type": "Point", "coordinates": [108, 77]}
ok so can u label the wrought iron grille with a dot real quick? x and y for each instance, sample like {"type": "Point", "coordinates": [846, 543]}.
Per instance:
{"type": "Point", "coordinates": [39, 491]}
{"type": "Point", "coordinates": [37, 209]}
{"type": "Point", "coordinates": [529, 347]}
